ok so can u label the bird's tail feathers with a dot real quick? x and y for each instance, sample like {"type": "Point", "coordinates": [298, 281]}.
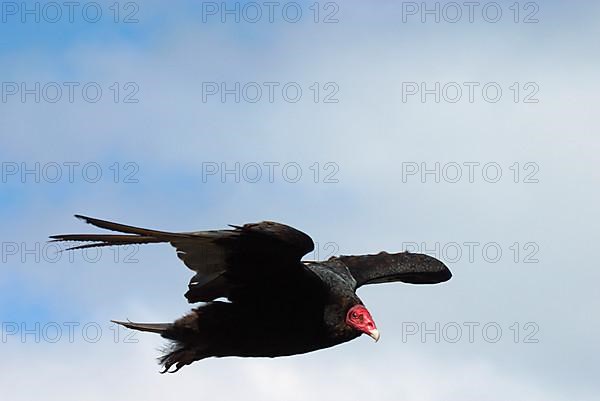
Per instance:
{"type": "Point", "coordinates": [159, 328]}
{"type": "Point", "coordinates": [100, 240]}
{"type": "Point", "coordinates": [179, 353]}
{"type": "Point", "coordinates": [133, 235]}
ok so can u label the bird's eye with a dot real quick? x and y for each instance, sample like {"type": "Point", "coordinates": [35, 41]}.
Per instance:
{"type": "Point", "coordinates": [354, 315]}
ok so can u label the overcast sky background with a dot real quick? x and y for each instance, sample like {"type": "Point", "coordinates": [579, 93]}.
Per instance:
{"type": "Point", "coordinates": [158, 141]}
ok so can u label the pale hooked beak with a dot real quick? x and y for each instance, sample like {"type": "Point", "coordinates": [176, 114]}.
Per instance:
{"type": "Point", "coordinates": [374, 334]}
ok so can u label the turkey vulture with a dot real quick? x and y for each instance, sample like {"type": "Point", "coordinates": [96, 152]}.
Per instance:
{"type": "Point", "coordinates": [276, 304]}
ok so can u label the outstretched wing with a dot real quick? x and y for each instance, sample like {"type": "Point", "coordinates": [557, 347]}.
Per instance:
{"type": "Point", "coordinates": [242, 263]}
{"type": "Point", "coordinates": [413, 268]}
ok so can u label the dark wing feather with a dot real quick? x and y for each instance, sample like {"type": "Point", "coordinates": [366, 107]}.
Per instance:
{"type": "Point", "coordinates": [243, 263]}
{"type": "Point", "coordinates": [413, 268]}
{"type": "Point", "coordinates": [238, 264]}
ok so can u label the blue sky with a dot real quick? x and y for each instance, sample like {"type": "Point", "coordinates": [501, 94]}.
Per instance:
{"type": "Point", "coordinates": [156, 143]}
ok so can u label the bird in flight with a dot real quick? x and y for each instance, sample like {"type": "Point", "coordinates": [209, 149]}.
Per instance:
{"type": "Point", "coordinates": [276, 304]}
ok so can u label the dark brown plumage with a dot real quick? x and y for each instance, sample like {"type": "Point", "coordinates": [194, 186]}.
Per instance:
{"type": "Point", "coordinates": [277, 305]}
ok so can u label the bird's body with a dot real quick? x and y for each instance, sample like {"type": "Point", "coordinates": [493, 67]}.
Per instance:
{"type": "Point", "coordinates": [277, 305]}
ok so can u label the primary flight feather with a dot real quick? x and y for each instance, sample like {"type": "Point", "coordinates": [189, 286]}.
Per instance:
{"type": "Point", "coordinates": [277, 304]}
